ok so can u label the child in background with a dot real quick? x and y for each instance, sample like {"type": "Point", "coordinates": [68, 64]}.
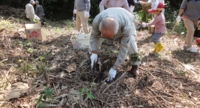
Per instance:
{"type": "Point", "coordinates": [160, 27]}
{"type": "Point", "coordinates": [154, 3]}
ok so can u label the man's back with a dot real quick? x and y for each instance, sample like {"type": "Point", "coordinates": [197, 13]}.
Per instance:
{"type": "Point", "coordinates": [29, 10]}
{"type": "Point", "coordinates": [82, 5]}
{"type": "Point", "coordinates": [39, 10]}
{"type": "Point", "coordinates": [124, 18]}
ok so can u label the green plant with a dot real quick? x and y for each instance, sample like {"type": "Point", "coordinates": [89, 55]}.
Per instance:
{"type": "Point", "coordinates": [44, 95]}
{"type": "Point", "coordinates": [29, 44]}
{"type": "Point", "coordinates": [25, 67]}
{"type": "Point", "coordinates": [20, 60]}
{"type": "Point", "coordinates": [42, 58]}
{"type": "Point", "coordinates": [30, 50]}
{"type": "Point", "coordinates": [89, 94]}
{"type": "Point", "coordinates": [180, 72]}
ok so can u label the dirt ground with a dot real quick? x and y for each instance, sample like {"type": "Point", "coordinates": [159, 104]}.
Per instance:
{"type": "Point", "coordinates": [170, 79]}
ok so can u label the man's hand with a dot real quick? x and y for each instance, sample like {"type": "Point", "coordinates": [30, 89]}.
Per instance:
{"type": "Point", "coordinates": [87, 14]}
{"type": "Point", "coordinates": [74, 11]}
{"type": "Point", "coordinates": [111, 76]}
{"type": "Point", "coordinates": [93, 59]}
{"type": "Point", "coordinates": [144, 24]}
{"type": "Point", "coordinates": [178, 18]}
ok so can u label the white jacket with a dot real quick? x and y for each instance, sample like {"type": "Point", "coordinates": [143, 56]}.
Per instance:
{"type": "Point", "coordinates": [124, 34]}
{"type": "Point", "coordinates": [29, 10]}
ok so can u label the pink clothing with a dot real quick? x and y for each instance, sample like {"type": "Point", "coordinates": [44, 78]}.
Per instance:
{"type": "Point", "coordinates": [159, 22]}
{"type": "Point", "coordinates": [115, 3]}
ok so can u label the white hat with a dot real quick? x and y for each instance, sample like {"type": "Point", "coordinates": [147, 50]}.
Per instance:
{"type": "Point", "coordinates": [32, 1]}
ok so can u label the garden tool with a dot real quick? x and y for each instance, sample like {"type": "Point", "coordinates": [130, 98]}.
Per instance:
{"type": "Point", "coordinates": [92, 70]}
{"type": "Point", "coordinates": [93, 58]}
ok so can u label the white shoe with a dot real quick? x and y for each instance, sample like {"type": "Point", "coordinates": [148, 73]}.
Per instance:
{"type": "Point", "coordinates": [191, 49]}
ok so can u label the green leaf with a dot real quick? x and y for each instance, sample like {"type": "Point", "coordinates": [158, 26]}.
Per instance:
{"type": "Point", "coordinates": [44, 97]}
{"type": "Point", "coordinates": [115, 51]}
{"type": "Point", "coordinates": [30, 50]}
{"type": "Point", "coordinates": [41, 106]}
{"type": "Point", "coordinates": [29, 44]}
{"type": "Point", "coordinates": [48, 91]}
{"type": "Point", "coordinates": [40, 99]}
{"type": "Point", "coordinates": [90, 96]}
{"type": "Point", "coordinates": [20, 60]}
{"type": "Point", "coordinates": [41, 58]}
{"type": "Point", "coordinates": [80, 91]}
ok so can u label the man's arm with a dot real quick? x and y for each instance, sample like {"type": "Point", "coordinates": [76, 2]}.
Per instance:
{"type": "Point", "coordinates": [124, 46]}
{"type": "Point", "coordinates": [154, 21]}
{"type": "Point", "coordinates": [95, 40]}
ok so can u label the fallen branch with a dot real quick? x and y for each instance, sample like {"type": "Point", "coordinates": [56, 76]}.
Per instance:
{"type": "Point", "coordinates": [114, 81]}
{"type": "Point", "coordinates": [187, 68]}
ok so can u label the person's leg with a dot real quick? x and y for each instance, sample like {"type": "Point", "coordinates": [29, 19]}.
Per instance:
{"type": "Point", "coordinates": [190, 32]}
{"type": "Point", "coordinates": [135, 59]}
{"type": "Point", "coordinates": [84, 21]}
{"type": "Point", "coordinates": [156, 40]}
{"type": "Point", "coordinates": [41, 19]}
{"type": "Point", "coordinates": [78, 21]}
{"type": "Point", "coordinates": [156, 37]}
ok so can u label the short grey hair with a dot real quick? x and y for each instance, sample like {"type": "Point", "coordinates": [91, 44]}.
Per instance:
{"type": "Point", "coordinates": [37, 2]}
{"type": "Point", "coordinates": [109, 23]}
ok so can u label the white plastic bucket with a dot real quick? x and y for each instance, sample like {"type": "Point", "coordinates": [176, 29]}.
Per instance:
{"type": "Point", "coordinates": [80, 41]}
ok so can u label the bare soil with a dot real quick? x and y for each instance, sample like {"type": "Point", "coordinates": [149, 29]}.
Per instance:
{"type": "Point", "coordinates": [170, 79]}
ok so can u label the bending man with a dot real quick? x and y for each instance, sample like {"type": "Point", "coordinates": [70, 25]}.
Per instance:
{"type": "Point", "coordinates": [115, 24]}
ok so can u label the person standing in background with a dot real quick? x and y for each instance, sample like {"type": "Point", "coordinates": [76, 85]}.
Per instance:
{"type": "Point", "coordinates": [132, 4]}
{"type": "Point", "coordinates": [113, 3]}
{"type": "Point", "coordinates": [82, 9]}
{"type": "Point", "coordinates": [30, 13]}
{"type": "Point", "coordinates": [191, 16]}
{"type": "Point", "coordinates": [40, 11]}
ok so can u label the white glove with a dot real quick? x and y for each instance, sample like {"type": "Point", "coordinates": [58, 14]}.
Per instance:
{"type": "Point", "coordinates": [178, 19]}
{"type": "Point", "coordinates": [112, 74]}
{"type": "Point", "coordinates": [74, 11]}
{"type": "Point", "coordinates": [144, 24]}
{"type": "Point", "coordinates": [93, 59]}
{"type": "Point", "coordinates": [87, 14]}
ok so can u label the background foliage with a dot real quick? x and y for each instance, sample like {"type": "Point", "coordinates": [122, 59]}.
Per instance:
{"type": "Point", "coordinates": [62, 9]}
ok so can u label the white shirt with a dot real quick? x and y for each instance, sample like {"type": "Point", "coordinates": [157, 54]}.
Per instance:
{"type": "Point", "coordinates": [29, 10]}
